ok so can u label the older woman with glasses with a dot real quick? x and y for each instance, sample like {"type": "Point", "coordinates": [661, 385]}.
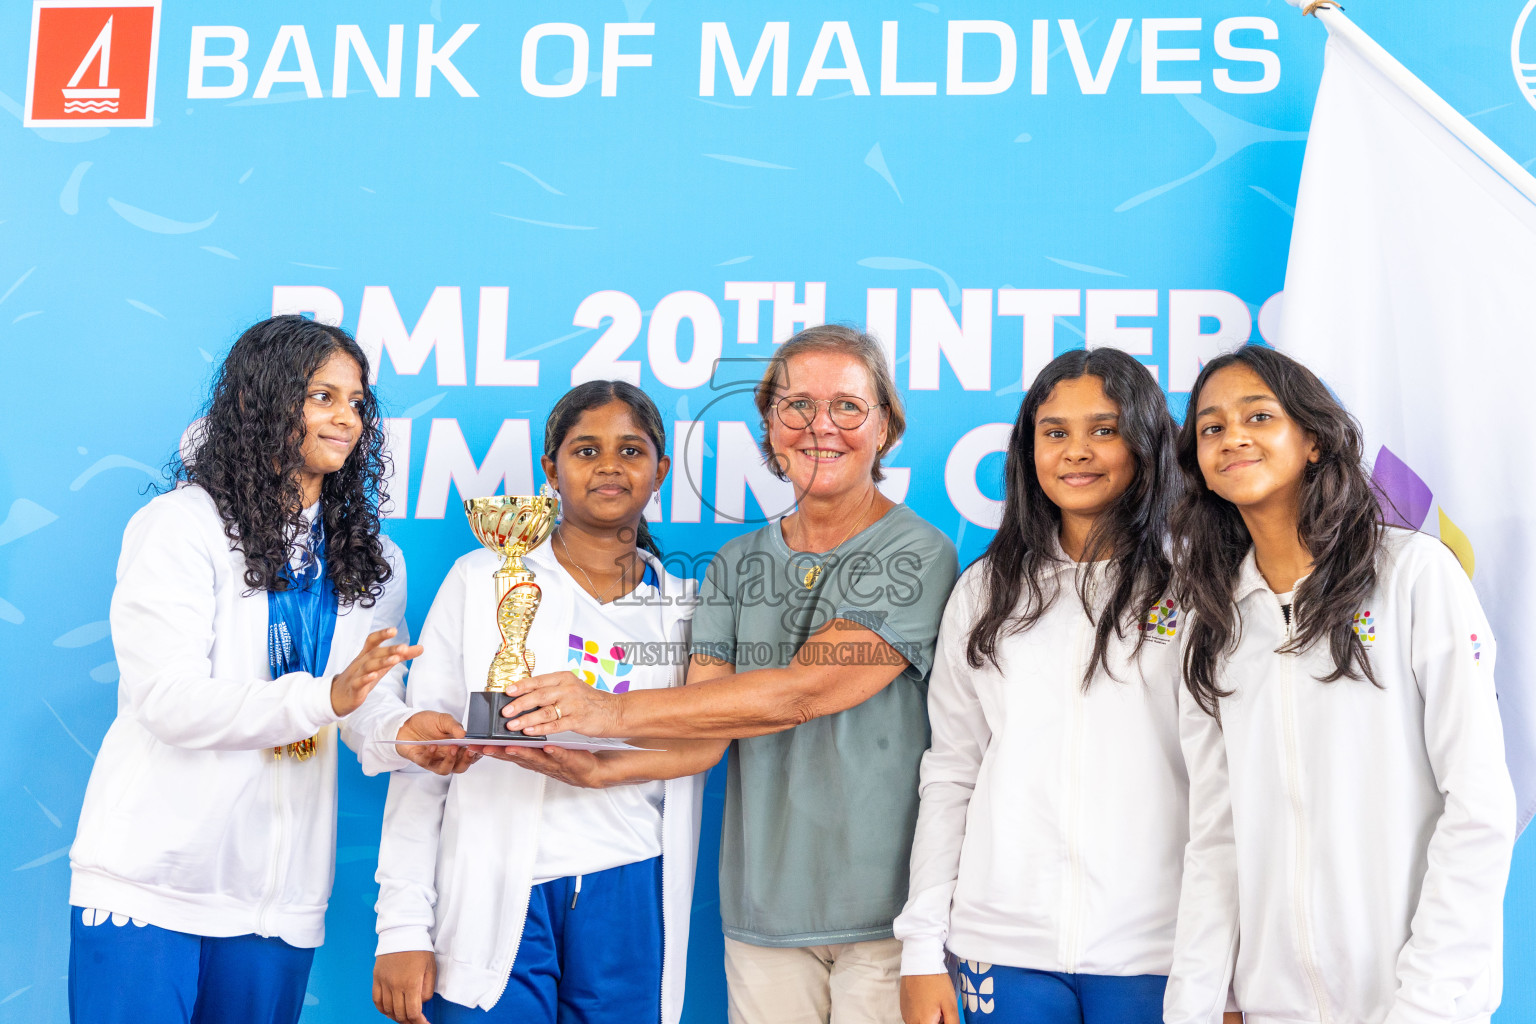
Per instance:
{"type": "Point", "coordinates": [810, 657]}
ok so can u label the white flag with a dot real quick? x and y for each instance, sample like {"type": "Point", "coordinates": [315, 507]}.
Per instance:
{"type": "Point", "coordinates": [1411, 291]}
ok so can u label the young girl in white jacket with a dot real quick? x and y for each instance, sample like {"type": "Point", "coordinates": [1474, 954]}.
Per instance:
{"type": "Point", "coordinates": [1351, 816]}
{"type": "Point", "coordinates": [1052, 822]}
{"type": "Point", "coordinates": [556, 887]}
{"type": "Point", "coordinates": [252, 614]}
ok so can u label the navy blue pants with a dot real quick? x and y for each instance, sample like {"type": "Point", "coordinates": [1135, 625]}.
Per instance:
{"type": "Point", "coordinates": [995, 994]}
{"type": "Point", "coordinates": [126, 973]}
{"type": "Point", "coordinates": [597, 962]}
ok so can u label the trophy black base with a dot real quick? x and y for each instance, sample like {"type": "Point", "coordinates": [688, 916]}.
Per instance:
{"type": "Point", "coordinates": [485, 721]}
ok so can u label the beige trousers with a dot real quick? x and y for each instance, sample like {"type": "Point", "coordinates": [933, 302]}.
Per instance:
{"type": "Point", "coordinates": [848, 983]}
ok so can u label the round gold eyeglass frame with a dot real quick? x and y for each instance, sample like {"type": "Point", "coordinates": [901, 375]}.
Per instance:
{"type": "Point", "coordinates": [847, 412]}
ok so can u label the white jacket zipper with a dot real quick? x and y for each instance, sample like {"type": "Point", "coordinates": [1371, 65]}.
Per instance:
{"type": "Point", "coordinates": [506, 976]}
{"type": "Point", "coordinates": [680, 678]}
{"type": "Point", "coordinates": [1073, 925]}
{"type": "Point", "coordinates": [517, 941]}
{"type": "Point", "coordinates": [661, 1002]}
{"type": "Point", "coordinates": [1301, 905]}
{"type": "Point", "coordinates": [275, 874]}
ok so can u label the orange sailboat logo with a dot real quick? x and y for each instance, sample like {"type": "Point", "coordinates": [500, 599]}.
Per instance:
{"type": "Point", "coordinates": [103, 98]}
{"type": "Point", "coordinates": [92, 63]}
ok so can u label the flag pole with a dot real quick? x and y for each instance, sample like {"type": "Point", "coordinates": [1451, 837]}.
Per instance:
{"type": "Point", "coordinates": [1331, 15]}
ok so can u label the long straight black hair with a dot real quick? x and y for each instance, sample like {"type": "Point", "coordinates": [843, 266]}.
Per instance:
{"type": "Point", "coordinates": [1132, 533]}
{"type": "Point", "coordinates": [1340, 526]}
{"type": "Point", "coordinates": [595, 394]}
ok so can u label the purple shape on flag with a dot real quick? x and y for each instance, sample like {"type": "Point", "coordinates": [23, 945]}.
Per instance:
{"type": "Point", "coordinates": [1405, 499]}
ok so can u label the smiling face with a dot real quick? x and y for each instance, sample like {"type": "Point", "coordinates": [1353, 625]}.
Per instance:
{"type": "Point", "coordinates": [606, 469]}
{"type": "Point", "coordinates": [333, 420]}
{"type": "Point", "coordinates": [1081, 460]}
{"type": "Point", "coordinates": [1251, 452]}
{"type": "Point", "coordinates": [825, 460]}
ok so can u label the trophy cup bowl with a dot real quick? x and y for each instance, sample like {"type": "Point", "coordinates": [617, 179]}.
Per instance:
{"type": "Point", "coordinates": [511, 526]}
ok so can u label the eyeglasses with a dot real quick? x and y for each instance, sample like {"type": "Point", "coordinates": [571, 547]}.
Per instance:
{"type": "Point", "coordinates": [846, 411]}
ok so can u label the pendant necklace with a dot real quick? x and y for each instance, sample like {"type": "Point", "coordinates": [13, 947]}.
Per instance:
{"type": "Point", "coordinates": [813, 574]}
{"type": "Point", "coordinates": [601, 598]}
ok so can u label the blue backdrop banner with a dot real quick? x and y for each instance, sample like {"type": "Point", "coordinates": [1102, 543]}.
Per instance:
{"type": "Point", "coordinates": [500, 205]}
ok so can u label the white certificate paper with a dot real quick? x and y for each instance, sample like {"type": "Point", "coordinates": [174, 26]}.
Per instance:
{"type": "Point", "coordinates": [568, 740]}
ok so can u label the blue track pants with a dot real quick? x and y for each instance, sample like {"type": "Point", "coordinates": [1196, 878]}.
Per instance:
{"type": "Point", "coordinates": [126, 973]}
{"type": "Point", "coordinates": [994, 994]}
{"type": "Point", "coordinates": [588, 955]}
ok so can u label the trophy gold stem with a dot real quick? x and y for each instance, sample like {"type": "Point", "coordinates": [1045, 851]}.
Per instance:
{"type": "Point", "coordinates": [518, 599]}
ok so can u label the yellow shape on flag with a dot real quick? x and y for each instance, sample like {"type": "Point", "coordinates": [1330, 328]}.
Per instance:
{"type": "Point", "coordinates": [1452, 537]}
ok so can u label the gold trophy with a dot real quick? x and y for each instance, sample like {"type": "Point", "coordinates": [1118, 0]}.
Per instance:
{"type": "Point", "coordinates": [511, 526]}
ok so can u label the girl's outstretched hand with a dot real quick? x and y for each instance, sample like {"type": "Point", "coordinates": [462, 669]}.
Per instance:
{"type": "Point", "coordinates": [402, 983]}
{"type": "Point", "coordinates": [560, 702]}
{"type": "Point", "coordinates": [929, 999]}
{"type": "Point", "coordinates": [350, 687]}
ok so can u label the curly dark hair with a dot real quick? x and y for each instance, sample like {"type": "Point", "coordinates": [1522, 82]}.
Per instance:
{"type": "Point", "coordinates": [1131, 534]}
{"type": "Point", "coordinates": [247, 453]}
{"type": "Point", "coordinates": [1340, 525]}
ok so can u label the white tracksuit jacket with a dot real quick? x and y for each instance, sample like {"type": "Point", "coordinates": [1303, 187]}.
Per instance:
{"type": "Point", "coordinates": [1350, 844]}
{"type": "Point", "coordinates": [456, 857]}
{"type": "Point", "coordinates": [189, 822]}
{"type": "Point", "coordinates": [1052, 824]}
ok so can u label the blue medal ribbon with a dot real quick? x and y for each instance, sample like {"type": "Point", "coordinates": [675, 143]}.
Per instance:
{"type": "Point", "coordinates": [301, 621]}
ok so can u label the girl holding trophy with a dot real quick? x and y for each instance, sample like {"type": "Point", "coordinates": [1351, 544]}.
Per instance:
{"type": "Point", "coordinates": [810, 655]}
{"type": "Point", "coordinates": [254, 609]}
{"type": "Point", "coordinates": [562, 893]}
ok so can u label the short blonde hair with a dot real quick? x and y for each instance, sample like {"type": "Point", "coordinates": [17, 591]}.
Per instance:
{"type": "Point", "coordinates": [834, 338]}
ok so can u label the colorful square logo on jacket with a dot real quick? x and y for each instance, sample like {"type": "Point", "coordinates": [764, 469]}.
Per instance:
{"type": "Point", "coordinates": [1477, 650]}
{"type": "Point", "coordinates": [1162, 622]}
{"type": "Point", "coordinates": [92, 63]}
{"type": "Point", "coordinates": [599, 665]}
{"type": "Point", "coordinates": [1365, 627]}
